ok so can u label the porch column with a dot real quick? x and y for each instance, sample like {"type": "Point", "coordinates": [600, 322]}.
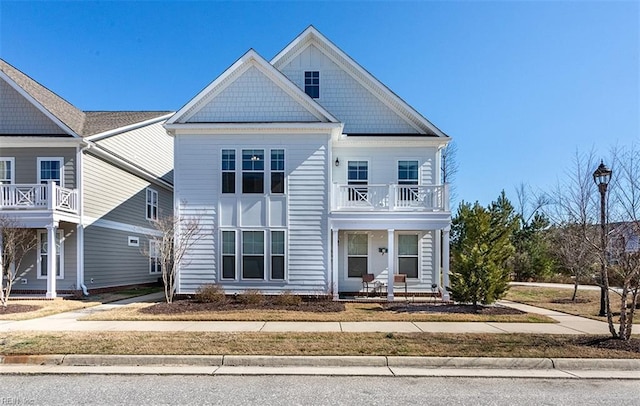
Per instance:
{"type": "Point", "coordinates": [79, 256]}
{"type": "Point", "coordinates": [51, 260]}
{"type": "Point", "coordinates": [445, 263]}
{"type": "Point", "coordinates": [391, 263]}
{"type": "Point", "coordinates": [334, 264]}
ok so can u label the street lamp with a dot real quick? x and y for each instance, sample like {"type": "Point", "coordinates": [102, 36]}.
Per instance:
{"type": "Point", "coordinates": [601, 177]}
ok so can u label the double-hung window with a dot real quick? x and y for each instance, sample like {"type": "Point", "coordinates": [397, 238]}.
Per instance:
{"type": "Point", "coordinates": [152, 204]}
{"type": "Point", "coordinates": [408, 255]}
{"type": "Point", "coordinates": [277, 255]}
{"type": "Point", "coordinates": [357, 255]}
{"type": "Point", "coordinates": [228, 171]}
{"type": "Point", "coordinates": [7, 173]}
{"type": "Point", "coordinates": [358, 174]}
{"type": "Point", "coordinates": [50, 169]}
{"type": "Point", "coordinates": [312, 83]}
{"type": "Point", "coordinates": [277, 171]}
{"type": "Point", "coordinates": [155, 266]}
{"type": "Point", "coordinates": [253, 171]}
{"type": "Point", "coordinates": [228, 255]}
{"type": "Point", "coordinates": [407, 177]}
{"type": "Point", "coordinates": [43, 254]}
{"type": "Point", "coordinates": [253, 254]}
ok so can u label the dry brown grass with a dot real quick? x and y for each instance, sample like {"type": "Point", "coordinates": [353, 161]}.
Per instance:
{"type": "Point", "coordinates": [353, 312]}
{"type": "Point", "coordinates": [404, 344]}
{"type": "Point", "coordinates": [587, 301]}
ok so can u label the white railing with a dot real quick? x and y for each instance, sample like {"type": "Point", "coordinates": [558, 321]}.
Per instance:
{"type": "Point", "coordinates": [48, 196]}
{"type": "Point", "coordinates": [391, 197]}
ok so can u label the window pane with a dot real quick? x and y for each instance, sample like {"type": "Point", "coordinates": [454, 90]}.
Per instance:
{"type": "Point", "coordinates": [277, 182]}
{"type": "Point", "coordinates": [252, 182]}
{"type": "Point", "coordinates": [408, 266]}
{"type": "Point", "coordinates": [357, 267]}
{"type": "Point", "coordinates": [357, 171]}
{"type": "Point", "coordinates": [358, 244]}
{"type": "Point", "coordinates": [5, 172]}
{"type": "Point", "coordinates": [277, 159]}
{"type": "Point", "coordinates": [277, 242]}
{"type": "Point", "coordinates": [407, 245]}
{"type": "Point", "coordinates": [277, 267]}
{"type": "Point", "coordinates": [228, 182]}
{"type": "Point", "coordinates": [408, 171]}
{"type": "Point", "coordinates": [228, 267]}
{"type": "Point", "coordinates": [228, 242]}
{"type": "Point", "coordinates": [253, 267]}
{"type": "Point", "coordinates": [252, 160]}
{"type": "Point", "coordinates": [228, 160]}
{"type": "Point", "coordinates": [252, 242]}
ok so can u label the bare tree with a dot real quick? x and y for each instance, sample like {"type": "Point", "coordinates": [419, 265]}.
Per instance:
{"type": "Point", "coordinates": [449, 167]}
{"type": "Point", "coordinates": [173, 238]}
{"type": "Point", "coordinates": [16, 241]}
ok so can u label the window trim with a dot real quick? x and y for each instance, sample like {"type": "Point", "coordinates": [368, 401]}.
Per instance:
{"type": "Point", "coordinates": [346, 251]}
{"type": "Point", "coordinates": [155, 250]}
{"type": "Point", "coordinates": [417, 256]}
{"type": "Point", "coordinates": [12, 179]}
{"type": "Point", "coordinates": [152, 205]}
{"type": "Point", "coordinates": [59, 252]}
{"type": "Point", "coordinates": [405, 180]}
{"type": "Point", "coordinates": [41, 159]}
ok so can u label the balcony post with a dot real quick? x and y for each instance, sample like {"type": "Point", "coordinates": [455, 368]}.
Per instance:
{"type": "Point", "coordinates": [51, 195]}
{"type": "Point", "coordinates": [392, 197]}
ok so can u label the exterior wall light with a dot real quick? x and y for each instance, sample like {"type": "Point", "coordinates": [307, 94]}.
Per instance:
{"type": "Point", "coordinates": [337, 162]}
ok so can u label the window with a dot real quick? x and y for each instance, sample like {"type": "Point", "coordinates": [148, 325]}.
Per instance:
{"type": "Point", "coordinates": [277, 171]}
{"type": "Point", "coordinates": [408, 255]}
{"type": "Point", "coordinates": [152, 204]}
{"type": "Point", "coordinates": [228, 171]}
{"type": "Point", "coordinates": [253, 254]}
{"type": "Point", "coordinates": [312, 84]}
{"type": "Point", "coordinates": [50, 169]}
{"type": "Point", "coordinates": [7, 175]}
{"type": "Point", "coordinates": [228, 255]}
{"type": "Point", "coordinates": [358, 251]}
{"type": "Point", "coordinates": [155, 265]}
{"type": "Point", "coordinates": [358, 174]}
{"type": "Point", "coordinates": [252, 171]}
{"type": "Point", "coordinates": [43, 255]}
{"type": "Point", "coordinates": [407, 175]}
{"type": "Point", "coordinates": [133, 241]}
{"type": "Point", "coordinates": [277, 255]}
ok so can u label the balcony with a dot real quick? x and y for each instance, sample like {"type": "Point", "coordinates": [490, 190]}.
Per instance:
{"type": "Point", "coordinates": [47, 196]}
{"type": "Point", "coordinates": [391, 197]}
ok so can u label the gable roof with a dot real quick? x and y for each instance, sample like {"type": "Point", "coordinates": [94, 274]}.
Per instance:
{"type": "Point", "coordinates": [249, 60]}
{"type": "Point", "coordinates": [312, 37]}
{"type": "Point", "coordinates": [74, 121]}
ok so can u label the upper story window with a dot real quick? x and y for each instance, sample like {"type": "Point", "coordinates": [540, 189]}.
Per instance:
{"type": "Point", "coordinates": [277, 171]}
{"type": "Point", "coordinates": [252, 171]}
{"type": "Point", "coordinates": [7, 172]}
{"type": "Point", "coordinates": [312, 83]}
{"type": "Point", "coordinates": [358, 174]}
{"type": "Point", "coordinates": [50, 169]}
{"type": "Point", "coordinates": [228, 171]}
{"type": "Point", "coordinates": [408, 175]}
{"type": "Point", "coordinates": [152, 204]}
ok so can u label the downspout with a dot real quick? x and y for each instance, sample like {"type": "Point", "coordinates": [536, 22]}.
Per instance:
{"type": "Point", "coordinates": [80, 234]}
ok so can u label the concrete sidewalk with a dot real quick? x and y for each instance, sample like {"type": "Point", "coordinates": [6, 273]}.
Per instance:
{"type": "Point", "coordinates": [566, 324]}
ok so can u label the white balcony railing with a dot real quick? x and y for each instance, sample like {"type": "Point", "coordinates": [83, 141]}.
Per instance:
{"type": "Point", "coordinates": [391, 197]}
{"type": "Point", "coordinates": [47, 196]}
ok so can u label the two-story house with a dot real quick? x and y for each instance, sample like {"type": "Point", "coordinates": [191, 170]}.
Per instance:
{"type": "Point", "coordinates": [89, 184]}
{"type": "Point", "coordinates": [307, 174]}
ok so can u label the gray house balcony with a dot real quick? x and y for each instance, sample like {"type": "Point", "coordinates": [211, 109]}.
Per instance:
{"type": "Point", "coordinates": [24, 200]}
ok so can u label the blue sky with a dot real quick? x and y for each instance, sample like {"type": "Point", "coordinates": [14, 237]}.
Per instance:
{"type": "Point", "coordinates": [519, 85]}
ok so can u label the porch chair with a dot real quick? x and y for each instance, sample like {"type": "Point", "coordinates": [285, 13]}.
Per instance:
{"type": "Point", "coordinates": [367, 279]}
{"type": "Point", "coordinates": [401, 278]}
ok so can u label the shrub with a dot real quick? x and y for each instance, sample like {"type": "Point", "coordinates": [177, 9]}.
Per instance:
{"type": "Point", "coordinates": [210, 293]}
{"type": "Point", "coordinates": [250, 297]}
{"type": "Point", "coordinates": [287, 299]}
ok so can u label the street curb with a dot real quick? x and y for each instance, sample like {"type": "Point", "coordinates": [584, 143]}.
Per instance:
{"type": "Point", "coordinates": [326, 361]}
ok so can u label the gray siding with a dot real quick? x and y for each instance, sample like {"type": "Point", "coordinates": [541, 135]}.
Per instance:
{"type": "Point", "coordinates": [110, 261]}
{"type": "Point", "coordinates": [26, 160]}
{"type": "Point", "coordinates": [19, 116]}
{"type": "Point", "coordinates": [149, 147]}
{"type": "Point", "coordinates": [113, 194]}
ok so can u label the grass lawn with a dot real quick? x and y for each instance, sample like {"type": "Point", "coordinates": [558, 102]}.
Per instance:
{"type": "Point", "coordinates": [60, 305]}
{"type": "Point", "coordinates": [404, 344]}
{"type": "Point", "coordinates": [353, 312]}
{"type": "Point", "coordinates": [587, 301]}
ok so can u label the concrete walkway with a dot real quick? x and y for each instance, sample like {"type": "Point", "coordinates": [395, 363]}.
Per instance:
{"type": "Point", "coordinates": [566, 324]}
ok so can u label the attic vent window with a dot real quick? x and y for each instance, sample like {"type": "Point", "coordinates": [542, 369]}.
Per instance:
{"type": "Point", "coordinates": [312, 84]}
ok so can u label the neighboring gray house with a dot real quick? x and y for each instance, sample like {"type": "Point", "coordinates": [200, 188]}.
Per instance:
{"type": "Point", "coordinates": [87, 183]}
{"type": "Point", "coordinates": [308, 175]}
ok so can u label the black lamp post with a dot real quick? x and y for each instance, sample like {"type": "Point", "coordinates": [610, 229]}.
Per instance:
{"type": "Point", "coordinates": [601, 177]}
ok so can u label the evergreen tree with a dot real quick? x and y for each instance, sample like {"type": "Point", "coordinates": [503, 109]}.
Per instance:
{"type": "Point", "coordinates": [480, 247]}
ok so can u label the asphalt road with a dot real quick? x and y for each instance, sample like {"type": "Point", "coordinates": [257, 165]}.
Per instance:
{"type": "Point", "coordinates": [307, 390]}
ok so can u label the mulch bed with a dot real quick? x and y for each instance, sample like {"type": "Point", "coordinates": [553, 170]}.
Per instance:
{"type": "Point", "coordinates": [192, 306]}
{"type": "Point", "coordinates": [494, 310]}
{"type": "Point", "coordinates": [18, 308]}
{"type": "Point", "coordinates": [569, 301]}
{"type": "Point", "coordinates": [631, 345]}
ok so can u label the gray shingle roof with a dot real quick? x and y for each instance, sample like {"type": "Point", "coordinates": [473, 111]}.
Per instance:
{"type": "Point", "coordinates": [80, 122]}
